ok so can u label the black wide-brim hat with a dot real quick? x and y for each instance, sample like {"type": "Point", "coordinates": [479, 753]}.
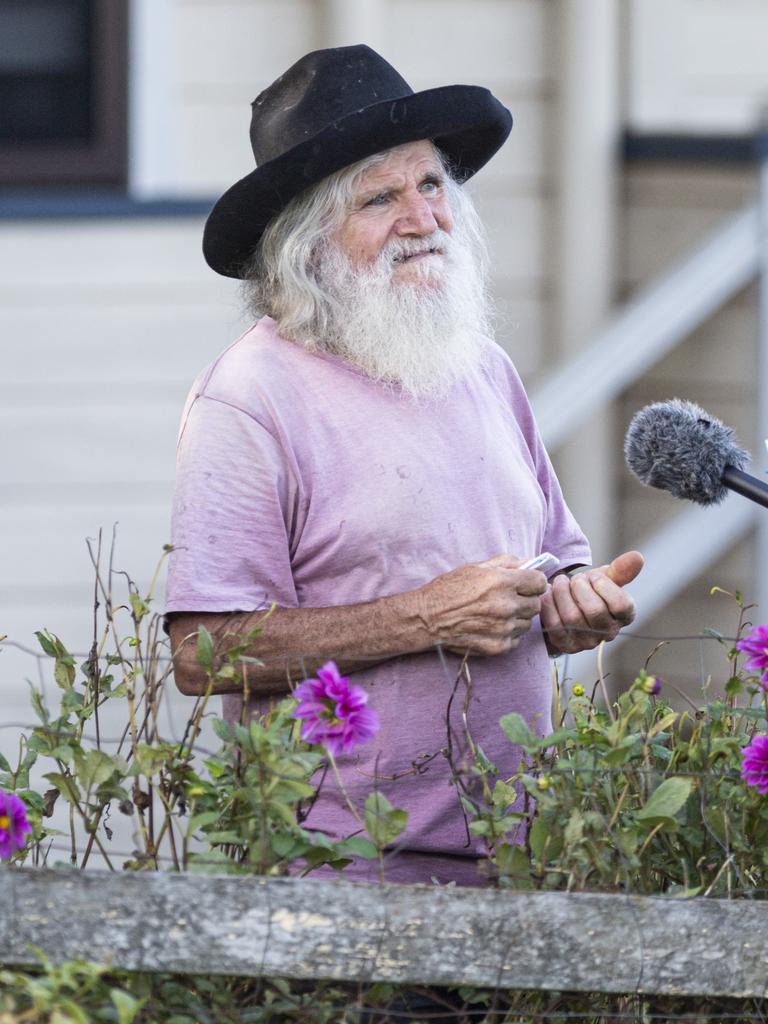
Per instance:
{"type": "Point", "coordinates": [329, 110]}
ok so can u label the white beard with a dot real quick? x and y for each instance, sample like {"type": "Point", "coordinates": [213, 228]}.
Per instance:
{"type": "Point", "coordinates": [423, 334]}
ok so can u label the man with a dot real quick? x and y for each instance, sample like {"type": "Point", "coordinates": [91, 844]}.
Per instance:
{"type": "Point", "coordinates": [364, 458]}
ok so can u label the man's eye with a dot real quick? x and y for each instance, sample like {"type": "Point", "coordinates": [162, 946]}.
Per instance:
{"type": "Point", "coordinates": [431, 185]}
{"type": "Point", "coordinates": [378, 200]}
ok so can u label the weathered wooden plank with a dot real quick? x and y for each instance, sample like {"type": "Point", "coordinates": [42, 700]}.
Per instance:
{"type": "Point", "coordinates": [301, 928]}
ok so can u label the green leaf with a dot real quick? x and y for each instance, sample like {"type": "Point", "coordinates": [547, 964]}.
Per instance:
{"type": "Point", "coordinates": [482, 760]}
{"type": "Point", "coordinates": [66, 786]}
{"type": "Point", "coordinates": [537, 837]}
{"type": "Point", "coordinates": [205, 650]}
{"type": "Point", "coordinates": [222, 729]}
{"type": "Point", "coordinates": [46, 641]}
{"type": "Point", "coordinates": [734, 686]}
{"type": "Point", "coordinates": [68, 1012]}
{"type": "Point", "coordinates": [380, 992]}
{"type": "Point", "coordinates": [681, 893]}
{"type": "Point", "coordinates": [94, 768]}
{"type": "Point", "coordinates": [127, 1007]}
{"type": "Point", "coordinates": [319, 855]}
{"type": "Point", "coordinates": [228, 836]}
{"type": "Point", "coordinates": [559, 736]}
{"type": "Point", "coordinates": [63, 753]}
{"type": "Point", "coordinates": [515, 728]}
{"type": "Point", "coordinates": [664, 803]}
{"type": "Point", "coordinates": [512, 861]}
{"type": "Point", "coordinates": [38, 703]}
{"type": "Point", "coordinates": [628, 840]}
{"type": "Point", "coordinates": [201, 820]}
{"type": "Point", "coordinates": [509, 821]}
{"type": "Point", "coordinates": [148, 760]}
{"type": "Point", "coordinates": [71, 699]}
{"type": "Point", "coordinates": [4, 766]}
{"type": "Point", "coordinates": [503, 794]}
{"type": "Point", "coordinates": [574, 830]}
{"type": "Point", "coordinates": [283, 843]}
{"type": "Point", "coordinates": [662, 725]}
{"type": "Point", "coordinates": [622, 752]}
{"type": "Point", "coordinates": [358, 846]}
{"type": "Point", "coordinates": [139, 606]}
{"type": "Point", "coordinates": [383, 821]}
{"type": "Point", "coordinates": [64, 672]}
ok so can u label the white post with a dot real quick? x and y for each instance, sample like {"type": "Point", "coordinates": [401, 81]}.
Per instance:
{"type": "Point", "coordinates": [588, 135]}
{"type": "Point", "coordinates": [347, 22]}
{"type": "Point", "coordinates": [152, 119]}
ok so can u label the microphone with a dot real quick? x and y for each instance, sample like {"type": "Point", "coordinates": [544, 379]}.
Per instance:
{"type": "Point", "coordinates": [680, 448]}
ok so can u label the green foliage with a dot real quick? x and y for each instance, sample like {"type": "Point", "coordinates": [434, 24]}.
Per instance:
{"type": "Point", "coordinates": [80, 992]}
{"type": "Point", "coordinates": [237, 809]}
{"type": "Point", "coordinates": [249, 809]}
{"type": "Point", "coordinates": [383, 821]}
{"type": "Point", "coordinates": [636, 797]}
{"type": "Point", "coordinates": [65, 994]}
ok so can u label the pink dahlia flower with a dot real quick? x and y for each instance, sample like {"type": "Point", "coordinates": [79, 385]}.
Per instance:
{"type": "Point", "coordinates": [334, 712]}
{"type": "Point", "coordinates": [756, 646]}
{"type": "Point", "coordinates": [754, 767]}
{"type": "Point", "coordinates": [13, 825]}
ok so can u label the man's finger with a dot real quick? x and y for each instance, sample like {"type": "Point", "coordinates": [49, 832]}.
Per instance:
{"type": "Point", "coordinates": [568, 610]}
{"type": "Point", "coordinates": [624, 568]}
{"type": "Point", "coordinates": [618, 601]}
{"type": "Point", "coordinates": [530, 583]}
{"type": "Point", "coordinates": [591, 602]}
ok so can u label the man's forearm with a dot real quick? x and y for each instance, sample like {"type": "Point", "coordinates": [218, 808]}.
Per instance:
{"type": "Point", "coordinates": [293, 642]}
{"type": "Point", "coordinates": [482, 608]}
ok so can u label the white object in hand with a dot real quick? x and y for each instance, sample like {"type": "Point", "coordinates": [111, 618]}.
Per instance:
{"type": "Point", "coordinates": [545, 562]}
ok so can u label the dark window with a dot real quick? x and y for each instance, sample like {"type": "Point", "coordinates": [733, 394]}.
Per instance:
{"type": "Point", "coordinates": [63, 92]}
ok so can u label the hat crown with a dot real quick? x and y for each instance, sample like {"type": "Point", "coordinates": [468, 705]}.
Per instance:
{"type": "Point", "coordinates": [319, 90]}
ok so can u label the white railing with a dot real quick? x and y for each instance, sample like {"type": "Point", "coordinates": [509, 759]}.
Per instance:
{"type": "Point", "coordinates": [646, 329]}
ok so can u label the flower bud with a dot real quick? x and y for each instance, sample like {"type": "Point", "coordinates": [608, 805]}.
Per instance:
{"type": "Point", "coordinates": [578, 690]}
{"type": "Point", "coordinates": [543, 782]}
{"type": "Point", "coordinates": [651, 685]}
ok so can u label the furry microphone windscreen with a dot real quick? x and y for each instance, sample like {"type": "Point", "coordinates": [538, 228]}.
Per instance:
{"type": "Point", "coordinates": [680, 448]}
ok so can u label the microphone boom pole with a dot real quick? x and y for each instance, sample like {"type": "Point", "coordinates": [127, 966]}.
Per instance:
{"type": "Point", "coordinates": [746, 485]}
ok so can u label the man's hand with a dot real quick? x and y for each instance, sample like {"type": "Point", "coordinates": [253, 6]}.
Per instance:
{"type": "Point", "coordinates": [481, 608]}
{"type": "Point", "coordinates": [578, 613]}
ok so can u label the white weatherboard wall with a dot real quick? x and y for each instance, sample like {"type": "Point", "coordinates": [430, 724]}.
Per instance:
{"type": "Point", "coordinates": [104, 326]}
{"type": "Point", "coordinates": [697, 65]}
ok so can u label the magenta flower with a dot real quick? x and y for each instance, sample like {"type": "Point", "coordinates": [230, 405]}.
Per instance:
{"type": "Point", "coordinates": [754, 767]}
{"type": "Point", "coordinates": [334, 712]}
{"type": "Point", "coordinates": [756, 646]}
{"type": "Point", "coordinates": [13, 825]}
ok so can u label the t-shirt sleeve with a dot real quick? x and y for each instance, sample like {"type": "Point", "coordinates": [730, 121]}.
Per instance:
{"type": "Point", "coordinates": [563, 536]}
{"type": "Point", "coordinates": [232, 509]}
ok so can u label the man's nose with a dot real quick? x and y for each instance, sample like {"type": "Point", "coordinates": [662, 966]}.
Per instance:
{"type": "Point", "coordinates": [417, 217]}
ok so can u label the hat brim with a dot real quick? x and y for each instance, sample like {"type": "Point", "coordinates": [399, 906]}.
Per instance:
{"type": "Point", "coordinates": [466, 122]}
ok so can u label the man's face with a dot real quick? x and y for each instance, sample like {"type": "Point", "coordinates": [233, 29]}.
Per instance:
{"type": "Point", "coordinates": [398, 204]}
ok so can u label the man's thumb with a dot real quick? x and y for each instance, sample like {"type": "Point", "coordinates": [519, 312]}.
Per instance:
{"type": "Point", "coordinates": [624, 568]}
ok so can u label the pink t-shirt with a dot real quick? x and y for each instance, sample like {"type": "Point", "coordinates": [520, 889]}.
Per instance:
{"type": "Point", "coordinates": [303, 482]}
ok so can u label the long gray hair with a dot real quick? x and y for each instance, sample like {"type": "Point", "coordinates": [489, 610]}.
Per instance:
{"type": "Point", "coordinates": [282, 278]}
